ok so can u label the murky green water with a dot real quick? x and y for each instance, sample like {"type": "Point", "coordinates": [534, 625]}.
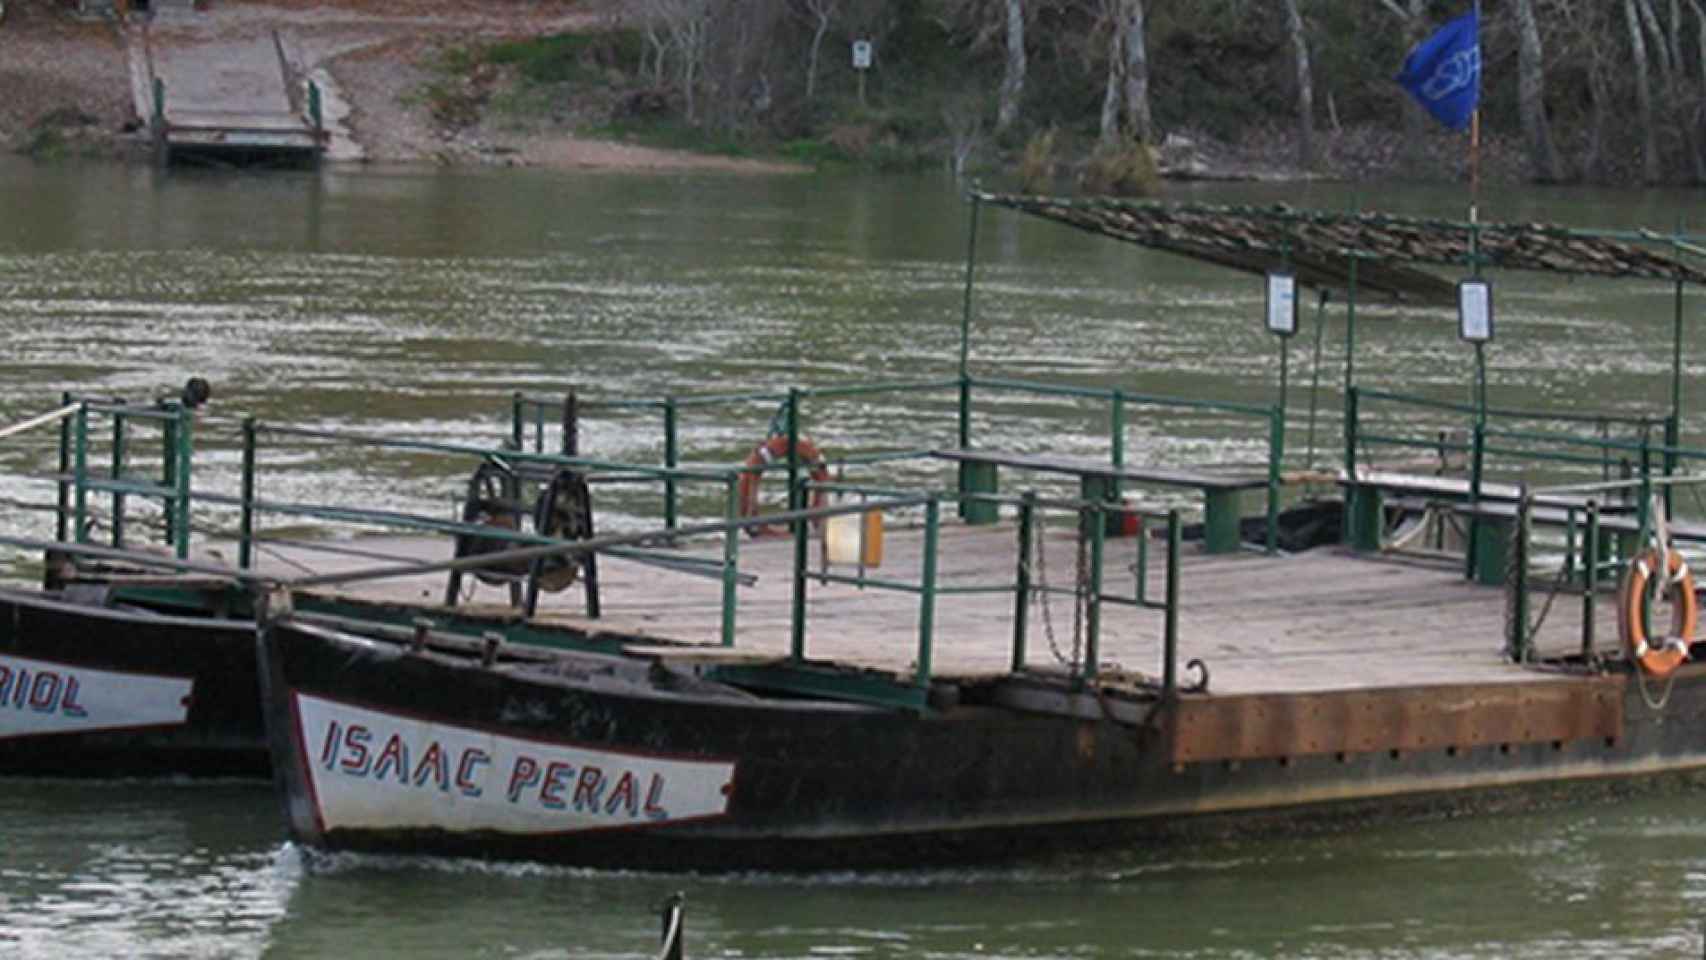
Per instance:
{"type": "Point", "coordinates": [415, 303]}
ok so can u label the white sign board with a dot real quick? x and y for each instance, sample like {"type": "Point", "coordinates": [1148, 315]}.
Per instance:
{"type": "Point", "coordinates": [861, 54]}
{"type": "Point", "coordinates": [1475, 311]}
{"type": "Point", "coordinates": [383, 770]}
{"type": "Point", "coordinates": [1282, 303]}
{"type": "Point", "coordinates": [43, 697]}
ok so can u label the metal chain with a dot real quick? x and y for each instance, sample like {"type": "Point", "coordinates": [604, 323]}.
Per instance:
{"type": "Point", "coordinates": [1040, 585]}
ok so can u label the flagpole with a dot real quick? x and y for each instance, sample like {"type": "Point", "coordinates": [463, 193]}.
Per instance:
{"type": "Point", "coordinates": [1475, 133]}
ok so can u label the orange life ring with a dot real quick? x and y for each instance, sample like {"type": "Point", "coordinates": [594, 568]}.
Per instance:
{"type": "Point", "coordinates": [1658, 657]}
{"type": "Point", "coordinates": [774, 449]}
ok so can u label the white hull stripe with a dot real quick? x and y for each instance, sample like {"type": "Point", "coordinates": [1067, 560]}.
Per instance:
{"type": "Point", "coordinates": [377, 770]}
{"type": "Point", "coordinates": [41, 697]}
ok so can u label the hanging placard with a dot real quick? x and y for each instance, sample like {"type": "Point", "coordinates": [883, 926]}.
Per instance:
{"type": "Point", "coordinates": [1282, 303]}
{"type": "Point", "coordinates": [861, 54]}
{"type": "Point", "coordinates": [1475, 310]}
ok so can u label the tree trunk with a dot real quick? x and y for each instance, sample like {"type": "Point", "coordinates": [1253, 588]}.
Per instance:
{"type": "Point", "coordinates": [821, 11]}
{"type": "Point", "coordinates": [1305, 87]}
{"type": "Point", "coordinates": [1643, 95]}
{"type": "Point", "coordinates": [1138, 123]}
{"type": "Point", "coordinates": [1013, 83]}
{"type": "Point", "coordinates": [1531, 94]}
{"type": "Point", "coordinates": [1110, 133]}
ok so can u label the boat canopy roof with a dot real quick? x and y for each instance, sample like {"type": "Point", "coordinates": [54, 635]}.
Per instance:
{"type": "Point", "coordinates": [1320, 246]}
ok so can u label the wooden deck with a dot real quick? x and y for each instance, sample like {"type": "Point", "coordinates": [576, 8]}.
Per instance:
{"type": "Point", "coordinates": [1323, 620]}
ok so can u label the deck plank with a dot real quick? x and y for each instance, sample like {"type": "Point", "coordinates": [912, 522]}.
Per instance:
{"type": "Point", "coordinates": [1326, 619]}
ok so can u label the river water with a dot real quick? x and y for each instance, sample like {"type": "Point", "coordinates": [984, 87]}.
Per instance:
{"type": "Point", "coordinates": [414, 302]}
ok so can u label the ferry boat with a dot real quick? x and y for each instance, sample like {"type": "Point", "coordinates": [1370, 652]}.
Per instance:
{"type": "Point", "coordinates": [899, 671]}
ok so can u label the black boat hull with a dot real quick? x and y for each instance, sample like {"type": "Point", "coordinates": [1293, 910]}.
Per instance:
{"type": "Point", "coordinates": [91, 691]}
{"type": "Point", "coordinates": [385, 750]}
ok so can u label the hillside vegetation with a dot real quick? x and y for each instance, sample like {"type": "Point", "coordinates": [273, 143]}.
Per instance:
{"type": "Point", "coordinates": [1218, 85]}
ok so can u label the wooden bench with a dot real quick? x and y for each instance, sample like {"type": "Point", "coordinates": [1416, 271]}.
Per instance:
{"type": "Point", "coordinates": [1100, 481]}
{"type": "Point", "coordinates": [1492, 555]}
{"type": "Point", "coordinates": [1367, 491]}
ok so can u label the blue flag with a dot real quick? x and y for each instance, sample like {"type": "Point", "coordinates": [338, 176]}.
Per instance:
{"type": "Point", "coordinates": [1443, 73]}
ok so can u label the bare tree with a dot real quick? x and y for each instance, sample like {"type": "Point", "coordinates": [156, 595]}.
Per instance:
{"type": "Point", "coordinates": [1413, 19]}
{"type": "Point", "coordinates": [1643, 94]}
{"type": "Point", "coordinates": [1305, 86]}
{"type": "Point", "coordinates": [1013, 81]}
{"type": "Point", "coordinates": [1138, 122]}
{"type": "Point", "coordinates": [1531, 95]}
{"type": "Point", "coordinates": [819, 14]}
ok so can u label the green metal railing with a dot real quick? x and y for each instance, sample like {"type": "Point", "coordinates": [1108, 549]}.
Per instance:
{"type": "Point", "coordinates": [85, 478]}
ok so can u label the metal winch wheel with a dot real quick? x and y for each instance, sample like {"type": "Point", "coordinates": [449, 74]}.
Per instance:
{"type": "Point", "coordinates": [564, 512]}
{"type": "Point", "coordinates": [494, 501]}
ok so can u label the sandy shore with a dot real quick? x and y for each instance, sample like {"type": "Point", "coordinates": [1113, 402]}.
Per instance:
{"type": "Point", "coordinates": [371, 58]}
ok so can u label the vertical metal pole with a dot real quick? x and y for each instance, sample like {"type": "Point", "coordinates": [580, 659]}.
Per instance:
{"type": "Point", "coordinates": [118, 475]}
{"type": "Point", "coordinates": [1315, 375]}
{"type": "Point", "coordinates": [1022, 581]}
{"type": "Point", "coordinates": [1518, 574]}
{"type": "Point", "coordinates": [1351, 414]}
{"type": "Point", "coordinates": [169, 475]}
{"type": "Point", "coordinates": [1142, 559]}
{"type": "Point", "coordinates": [797, 648]}
{"type": "Point", "coordinates": [731, 558]}
{"type": "Point", "coordinates": [971, 269]}
{"type": "Point", "coordinates": [965, 327]}
{"type": "Point", "coordinates": [63, 515]}
{"type": "Point", "coordinates": [1351, 326]}
{"type": "Point", "coordinates": [1590, 577]}
{"type": "Point", "coordinates": [671, 459]}
{"type": "Point", "coordinates": [185, 444]}
{"type": "Point", "coordinates": [571, 425]}
{"type": "Point", "coordinates": [1093, 590]}
{"type": "Point", "coordinates": [517, 421]}
{"type": "Point", "coordinates": [80, 474]}
{"type": "Point", "coordinates": [795, 499]}
{"type": "Point", "coordinates": [1170, 628]}
{"type": "Point", "coordinates": [1673, 425]}
{"type": "Point", "coordinates": [1276, 457]}
{"type": "Point", "coordinates": [927, 596]}
{"type": "Point", "coordinates": [1116, 429]}
{"type": "Point", "coordinates": [1477, 457]}
{"type": "Point", "coordinates": [246, 541]}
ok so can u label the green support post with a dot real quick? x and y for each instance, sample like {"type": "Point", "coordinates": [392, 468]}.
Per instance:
{"type": "Point", "coordinates": [1477, 459]}
{"type": "Point", "coordinates": [63, 514]}
{"type": "Point", "coordinates": [1022, 581]}
{"type": "Point", "coordinates": [1116, 427]}
{"type": "Point", "coordinates": [316, 112]}
{"type": "Point", "coordinates": [927, 595]}
{"type": "Point", "coordinates": [169, 475]}
{"type": "Point", "coordinates": [671, 460]}
{"type": "Point", "coordinates": [797, 646]}
{"type": "Point", "coordinates": [185, 435]}
{"type": "Point", "coordinates": [1093, 599]}
{"type": "Point", "coordinates": [1221, 520]}
{"type": "Point", "coordinates": [80, 474]}
{"type": "Point", "coordinates": [246, 543]}
{"type": "Point", "coordinates": [1518, 575]}
{"type": "Point", "coordinates": [731, 558]}
{"type": "Point", "coordinates": [517, 421]}
{"type": "Point", "coordinates": [795, 500]}
{"type": "Point", "coordinates": [1142, 571]}
{"type": "Point", "coordinates": [1170, 617]}
{"type": "Point", "coordinates": [118, 475]}
{"type": "Point", "coordinates": [979, 478]}
{"type": "Point", "coordinates": [1276, 458]}
{"type": "Point", "coordinates": [1590, 576]}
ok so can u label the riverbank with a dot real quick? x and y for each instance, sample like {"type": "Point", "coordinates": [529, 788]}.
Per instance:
{"type": "Point", "coordinates": [69, 79]}
{"type": "Point", "coordinates": [426, 81]}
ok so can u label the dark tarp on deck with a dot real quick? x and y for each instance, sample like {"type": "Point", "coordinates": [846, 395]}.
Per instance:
{"type": "Point", "coordinates": [1321, 245]}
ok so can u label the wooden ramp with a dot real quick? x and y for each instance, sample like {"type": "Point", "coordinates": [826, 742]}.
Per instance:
{"type": "Point", "coordinates": [1323, 620]}
{"type": "Point", "coordinates": [224, 100]}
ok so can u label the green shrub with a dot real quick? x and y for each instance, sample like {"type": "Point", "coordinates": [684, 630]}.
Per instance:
{"type": "Point", "coordinates": [1123, 171]}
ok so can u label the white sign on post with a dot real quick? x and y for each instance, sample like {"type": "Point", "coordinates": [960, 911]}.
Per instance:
{"type": "Point", "coordinates": [861, 54]}
{"type": "Point", "coordinates": [1475, 311]}
{"type": "Point", "coordinates": [1282, 303]}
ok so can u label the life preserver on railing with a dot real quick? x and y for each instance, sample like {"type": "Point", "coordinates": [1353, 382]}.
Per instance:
{"type": "Point", "coordinates": [1658, 656]}
{"type": "Point", "coordinates": [774, 449]}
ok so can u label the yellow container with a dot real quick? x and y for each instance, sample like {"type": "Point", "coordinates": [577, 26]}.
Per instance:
{"type": "Point", "coordinates": [855, 538]}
